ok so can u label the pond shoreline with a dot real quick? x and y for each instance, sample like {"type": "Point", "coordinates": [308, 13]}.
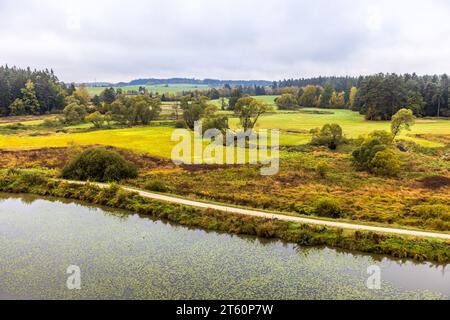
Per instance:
{"type": "Point", "coordinates": [302, 234]}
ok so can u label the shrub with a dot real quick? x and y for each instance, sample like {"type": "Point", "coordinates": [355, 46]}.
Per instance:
{"type": "Point", "coordinates": [99, 164]}
{"type": "Point", "coordinates": [322, 169]}
{"type": "Point", "coordinates": [180, 124]}
{"type": "Point", "coordinates": [74, 113]}
{"type": "Point", "coordinates": [287, 102]}
{"type": "Point", "coordinates": [15, 126]}
{"type": "Point", "coordinates": [365, 153]}
{"type": "Point", "coordinates": [330, 135]}
{"type": "Point", "coordinates": [50, 123]}
{"type": "Point", "coordinates": [385, 163]}
{"type": "Point", "coordinates": [328, 207]}
{"type": "Point", "coordinates": [383, 136]}
{"type": "Point", "coordinates": [157, 186]}
{"type": "Point", "coordinates": [432, 211]}
{"type": "Point", "coordinates": [376, 157]}
{"type": "Point", "coordinates": [96, 118]}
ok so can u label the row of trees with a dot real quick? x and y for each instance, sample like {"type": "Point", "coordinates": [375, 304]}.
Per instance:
{"type": "Point", "coordinates": [125, 110]}
{"type": "Point", "coordinates": [315, 96]}
{"type": "Point", "coordinates": [378, 97]}
{"type": "Point", "coordinates": [247, 109]}
{"type": "Point", "coordinates": [381, 96]}
{"type": "Point", "coordinates": [23, 91]}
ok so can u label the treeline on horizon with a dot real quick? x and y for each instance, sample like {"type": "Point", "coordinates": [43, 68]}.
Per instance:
{"type": "Point", "coordinates": [26, 91]}
{"type": "Point", "coordinates": [378, 97]}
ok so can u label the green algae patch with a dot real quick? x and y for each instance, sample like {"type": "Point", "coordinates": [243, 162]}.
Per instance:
{"type": "Point", "coordinates": [129, 256]}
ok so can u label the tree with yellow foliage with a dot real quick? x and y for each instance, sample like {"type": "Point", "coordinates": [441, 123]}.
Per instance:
{"type": "Point", "coordinates": [352, 97]}
{"type": "Point", "coordinates": [82, 95]}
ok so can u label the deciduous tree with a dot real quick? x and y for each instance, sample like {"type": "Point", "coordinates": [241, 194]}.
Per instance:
{"type": "Point", "coordinates": [249, 110]}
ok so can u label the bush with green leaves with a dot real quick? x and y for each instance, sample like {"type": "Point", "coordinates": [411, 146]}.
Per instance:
{"type": "Point", "coordinates": [287, 101]}
{"type": "Point", "coordinates": [96, 118]}
{"type": "Point", "coordinates": [52, 122]}
{"type": "Point", "coordinates": [385, 163]}
{"type": "Point", "coordinates": [377, 157]}
{"type": "Point", "coordinates": [74, 113]}
{"type": "Point", "coordinates": [432, 211]}
{"type": "Point", "coordinates": [383, 136]}
{"type": "Point", "coordinates": [330, 135]}
{"type": "Point", "coordinates": [328, 207]}
{"type": "Point", "coordinates": [180, 124]}
{"type": "Point", "coordinates": [99, 164]}
{"type": "Point", "coordinates": [156, 185]}
{"type": "Point", "coordinates": [322, 169]}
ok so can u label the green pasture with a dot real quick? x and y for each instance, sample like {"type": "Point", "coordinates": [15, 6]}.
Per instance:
{"type": "Point", "coordinates": [297, 125]}
{"type": "Point", "coordinates": [294, 127]}
{"type": "Point", "coordinates": [161, 89]}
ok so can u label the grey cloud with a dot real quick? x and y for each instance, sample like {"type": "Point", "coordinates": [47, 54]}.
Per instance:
{"type": "Point", "coordinates": [121, 40]}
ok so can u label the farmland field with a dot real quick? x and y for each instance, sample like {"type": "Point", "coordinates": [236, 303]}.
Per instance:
{"type": "Point", "coordinates": [353, 124]}
{"type": "Point", "coordinates": [161, 89]}
{"type": "Point", "coordinates": [294, 131]}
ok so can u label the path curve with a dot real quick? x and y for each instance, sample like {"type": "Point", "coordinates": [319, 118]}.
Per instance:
{"type": "Point", "coordinates": [267, 215]}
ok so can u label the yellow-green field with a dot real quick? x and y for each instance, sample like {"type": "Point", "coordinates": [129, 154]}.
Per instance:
{"type": "Point", "coordinates": [156, 140]}
{"type": "Point", "coordinates": [296, 125]}
{"type": "Point", "coordinates": [270, 100]}
{"type": "Point", "coordinates": [152, 140]}
{"type": "Point", "coordinates": [161, 89]}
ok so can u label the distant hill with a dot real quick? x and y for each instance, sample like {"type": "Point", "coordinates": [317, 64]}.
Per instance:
{"type": "Point", "coordinates": [172, 81]}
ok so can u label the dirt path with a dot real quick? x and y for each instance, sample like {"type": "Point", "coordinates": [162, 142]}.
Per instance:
{"type": "Point", "coordinates": [267, 215]}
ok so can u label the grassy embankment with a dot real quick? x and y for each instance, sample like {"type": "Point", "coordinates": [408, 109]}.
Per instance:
{"type": "Point", "coordinates": [14, 181]}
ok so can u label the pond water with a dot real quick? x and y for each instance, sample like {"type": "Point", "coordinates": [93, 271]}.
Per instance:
{"type": "Point", "coordinates": [127, 256]}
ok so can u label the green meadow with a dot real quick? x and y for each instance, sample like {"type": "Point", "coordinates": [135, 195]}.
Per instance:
{"type": "Point", "coordinates": [294, 126]}
{"type": "Point", "coordinates": [161, 89]}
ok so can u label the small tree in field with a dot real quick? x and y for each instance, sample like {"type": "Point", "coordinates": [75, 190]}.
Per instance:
{"type": "Point", "coordinates": [330, 135]}
{"type": "Point", "coordinates": [194, 109]}
{"type": "Point", "coordinates": [403, 120]}
{"type": "Point", "coordinates": [29, 104]}
{"type": "Point", "coordinates": [249, 110]}
{"type": "Point", "coordinates": [287, 102]}
{"type": "Point", "coordinates": [74, 113]}
{"type": "Point", "coordinates": [96, 118]}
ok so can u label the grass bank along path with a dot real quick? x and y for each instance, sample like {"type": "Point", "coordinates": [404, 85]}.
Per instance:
{"type": "Point", "coordinates": [268, 215]}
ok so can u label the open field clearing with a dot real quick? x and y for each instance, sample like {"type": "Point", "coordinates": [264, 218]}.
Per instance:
{"type": "Point", "coordinates": [270, 100]}
{"type": "Point", "coordinates": [24, 120]}
{"type": "Point", "coordinates": [294, 126]}
{"type": "Point", "coordinates": [161, 89]}
{"type": "Point", "coordinates": [152, 140]}
{"type": "Point", "coordinates": [352, 123]}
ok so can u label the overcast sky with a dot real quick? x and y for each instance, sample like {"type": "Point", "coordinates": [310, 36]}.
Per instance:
{"type": "Point", "coordinates": [113, 40]}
